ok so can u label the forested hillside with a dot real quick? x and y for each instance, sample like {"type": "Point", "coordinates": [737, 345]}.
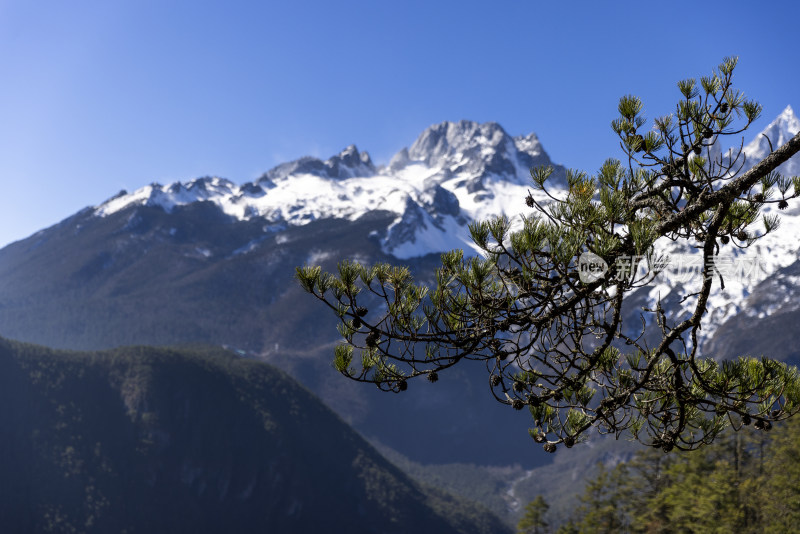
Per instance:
{"type": "Point", "coordinates": [745, 482]}
{"type": "Point", "coordinates": [166, 440]}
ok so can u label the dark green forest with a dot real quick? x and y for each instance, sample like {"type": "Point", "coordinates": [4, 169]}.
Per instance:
{"type": "Point", "coordinates": [745, 482]}
{"type": "Point", "coordinates": [143, 439]}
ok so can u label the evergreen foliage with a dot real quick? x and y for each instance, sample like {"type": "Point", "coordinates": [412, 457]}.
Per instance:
{"type": "Point", "coordinates": [533, 522]}
{"type": "Point", "coordinates": [603, 507]}
{"type": "Point", "coordinates": [143, 439]}
{"type": "Point", "coordinates": [551, 340]}
{"type": "Point", "coordinates": [744, 482]}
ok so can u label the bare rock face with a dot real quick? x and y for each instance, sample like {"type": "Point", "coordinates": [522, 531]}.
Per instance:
{"type": "Point", "coordinates": [348, 163]}
{"type": "Point", "coordinates": [477, 150]}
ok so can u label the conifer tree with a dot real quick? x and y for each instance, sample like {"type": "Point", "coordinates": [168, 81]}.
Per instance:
{"type": "Point", "coordinates": [605, 503]}
{"type": "Point", "coordinates": [568, 528]}
{"type": "Point", "coordinates": [719, 488]}
{"type": "Point", "coordinates": [702, 495]}
{"type": "Point", "coordinates": [647, 477]}
{"type": "Point", "coordinates": [780, 484]}
{"type": "Point", "coordinates": [551, 340]}
{"type": "Point", "coordinates": [533, 522]}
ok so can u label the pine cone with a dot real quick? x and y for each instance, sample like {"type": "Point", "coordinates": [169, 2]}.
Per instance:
{"type": "Point", "coordinates": [746, 420]}
{"type": "Point", "coordinates": [372, 339]}
{"type": "Point", "coordinates": [494, 380]}
{"type": "Point", "coordinates": [433, 376]}
{"type": "Point", "coordinates": [723, 107]}
{"type": "Point", "coordinates": [357, 323]}
{"type": "Point", "coordinates": [517, 404]}
{"type": "Point", "coordinates": [361, 311]}
{"type": "Point", "coordinates": [529, 200]}
{"type": "Point", "coordinates": [402, 385]}
{"type": "Point", "coordinates": [549, 447]}
{"type": "Point", "coordinates": [759, 197]}
{"type": "Point", "coordinates": [782, 205]}
{"type": "Point", "coordinates": [725, 239]}
{"type": "Point", "coordinates": [519, 386]}
{"type": "Point", "coordinates": [697, 150]}
{"type": "Point", "coordinates": [569, 441]}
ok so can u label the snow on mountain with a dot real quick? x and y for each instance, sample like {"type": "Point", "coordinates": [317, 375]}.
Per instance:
{"type": "Point", "coordinates": [477, 151]}
{"type": "Point", "coordinates": [743, 270]}
{"type": "Point", "coordinates": [749, 267]}
{"type": "Point", "coordinates": [779, 131]}
{"type": "Point", "coordinates": [456, 172]}
{"type": "Point", "coordinates": [348, 163]}
{"type": "Point", "coordinates": [453, 173]}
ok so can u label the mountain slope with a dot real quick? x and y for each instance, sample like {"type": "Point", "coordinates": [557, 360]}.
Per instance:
{"type": "Point", "coordinates": [165, 440]}
{"type": "Point", "coordinates": [128, 278]}
{"type": "Point", "coordinates": [211, 261]}
{"type": "Point", "coordinates": [208, 261]}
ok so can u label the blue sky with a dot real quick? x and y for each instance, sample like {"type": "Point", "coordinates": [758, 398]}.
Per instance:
{"type": "Point", "coordinates": [101, 96]}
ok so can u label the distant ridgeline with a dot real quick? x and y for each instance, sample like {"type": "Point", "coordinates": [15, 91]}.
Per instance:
{"type": "Point", "coordinates": [178, 440]}
{"type": "Point", "coordinates": [209, 261]}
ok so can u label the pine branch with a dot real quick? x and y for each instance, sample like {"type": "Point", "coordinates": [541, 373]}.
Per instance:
{"type": "Point", "coordinates": [730, 191]}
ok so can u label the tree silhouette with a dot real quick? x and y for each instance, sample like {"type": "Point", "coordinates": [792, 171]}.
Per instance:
{"type": "Point", "coordinates": [547, 325]}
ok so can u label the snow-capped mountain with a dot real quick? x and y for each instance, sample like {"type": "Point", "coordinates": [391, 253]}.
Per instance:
{"type": "Point", "coordinates": [779, 131]}
{"type": "Point", "coordinates": [453, 173]}
{"type": "Point", "coordinates": [747, 269]}
{"type": "Point", "coordinates": [212, 261]}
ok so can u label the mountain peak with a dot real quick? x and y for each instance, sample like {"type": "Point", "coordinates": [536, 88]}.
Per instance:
{"type": "Point", "coordinates": [448, 139]}
{"type": "Point", "coordinates": [784, 126]}
{"type": "Point", "coordinates": [348, 163]}
{"type": "Point", "coordinates": [453, 172]}
{"type": "Point", "coordinates": [781, 130]}
{"type": "Point", "coordinates": [476, 149]}
{"type": "Point", "coordinates": [789, 122]}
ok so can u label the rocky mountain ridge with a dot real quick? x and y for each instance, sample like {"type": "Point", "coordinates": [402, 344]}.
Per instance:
{"type": "Point", "coordinates": [211, 261]}
{"type": "Point", "coordinates": [452, 173]}
{"type": "Point", "coordinates": [456, 172]}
